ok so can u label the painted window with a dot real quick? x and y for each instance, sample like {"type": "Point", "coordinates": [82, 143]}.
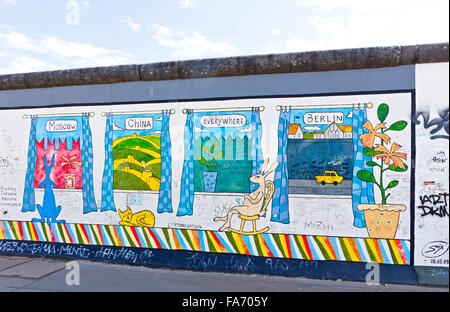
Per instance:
{"type": "Point", "coordinates": [325, 145]}
{"type": "Point", "coordinates": [136, 151]}
{"type": "Point", "coordinates": [223, 151]}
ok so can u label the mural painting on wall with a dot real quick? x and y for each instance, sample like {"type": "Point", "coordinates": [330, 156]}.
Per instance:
{"type": "Point", "coordinates": [329, 152]}
{"type": "Point", "coordinates": [67, 142]}
{"type": "Point", "coordinates": [223, 155]}
{"type": "Point", "coordinates": [382, 219]}
{"type": "Point", "coordinates": [137, 158]}
{"type": "Point", "coordinates": [255, 203]}
{"type": "Point", "coordinates": [222, 152]}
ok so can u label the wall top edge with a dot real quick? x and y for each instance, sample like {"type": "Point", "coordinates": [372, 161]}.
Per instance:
{"type": "Point", "coordinates": [314, 61]}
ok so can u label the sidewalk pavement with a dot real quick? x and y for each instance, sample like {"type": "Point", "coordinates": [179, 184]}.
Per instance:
{"type": "Point", "coordinates": [26, 274]}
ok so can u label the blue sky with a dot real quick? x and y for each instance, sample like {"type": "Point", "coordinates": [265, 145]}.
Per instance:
{"type": "Point", "coordinates": [40, 35]}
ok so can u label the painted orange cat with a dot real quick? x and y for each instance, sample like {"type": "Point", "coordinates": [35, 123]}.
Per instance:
{"type": "Point", "coordinates": [144, 218]}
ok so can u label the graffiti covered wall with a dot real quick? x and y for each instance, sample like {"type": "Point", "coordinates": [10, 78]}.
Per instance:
{"type": "Point", "coordinates": [432, 166]}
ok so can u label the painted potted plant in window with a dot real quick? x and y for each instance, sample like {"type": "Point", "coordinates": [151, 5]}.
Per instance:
{"type": "Point", "coordinates": [382, 218]}
{"type": "Point", "coordinates": [209, 159]}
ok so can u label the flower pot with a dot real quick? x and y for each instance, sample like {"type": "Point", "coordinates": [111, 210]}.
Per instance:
{"type": "Point", "coordinates": [209, 181]}
{"type": "Point", "coordinates": [381, 219]}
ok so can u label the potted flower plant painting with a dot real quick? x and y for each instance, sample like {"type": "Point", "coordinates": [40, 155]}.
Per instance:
{"type": "Point", "coordinates": [209, 159]}
{"type": "Point", "coordinates": [382, 218]}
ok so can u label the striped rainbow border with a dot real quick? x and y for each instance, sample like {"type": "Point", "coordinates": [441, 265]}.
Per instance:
{"type": "Point", "coordinates": [306, 247]}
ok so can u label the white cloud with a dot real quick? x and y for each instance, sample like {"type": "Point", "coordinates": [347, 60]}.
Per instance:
{"type": "Point", "coordinates": [198, 129]}
{"type": "Point", "coordinates": [128, 21]}
{"type": "Point", "coordinates": [190, 44]}
{"type": "Point", "coordinates": [249, 129]}
{"type": "Point", "coordinates": [294, 44]}
{"type": "Point", "coordinates": [23, 53]}
{"type": "Point", "coordinates": [312, 128]}
{"type": "Point", "coordinates": [188, 4]}
{"type": "Point", "coordinates": [355, 23]}
{"type": "Point", "coordinates": [275, 31]}
{"type": "Point", "coordinates": [20, 64]}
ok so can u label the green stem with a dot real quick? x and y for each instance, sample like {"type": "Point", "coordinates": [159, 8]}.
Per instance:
{"type": "Point", "coordinates": [383, 191]}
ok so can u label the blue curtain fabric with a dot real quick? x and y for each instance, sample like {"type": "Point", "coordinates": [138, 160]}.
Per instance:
{"type": "Point", "coordinates": [29, 203]}
{"type": "Point", "coordinates": [362, 192]}
{"type": "Point", "coordinates": [165, 189]}
{"type": "Point", "coordinates": [108, 171]}
{"type": "Point", "coordinates": [256, 145]}
{"type": "Point", "coordinates": [89, 204]}
{"type": "Point", "coordinates": [187, 179]}
{"type": "Point", "coordinates": [280, 203]}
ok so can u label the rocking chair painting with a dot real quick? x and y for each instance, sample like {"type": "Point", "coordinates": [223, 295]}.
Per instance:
{"type": "Point", "coordinates": [268, 194]}
{"type": "Point", "coordinates": [255, 203]}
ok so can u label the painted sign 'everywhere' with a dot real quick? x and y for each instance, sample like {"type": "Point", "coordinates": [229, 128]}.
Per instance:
{"type": "Point", "coordinates": [217, 121]}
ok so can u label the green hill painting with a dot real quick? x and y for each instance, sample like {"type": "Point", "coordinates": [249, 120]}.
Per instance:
{"type": "Point", "coordinates": [137, 162]}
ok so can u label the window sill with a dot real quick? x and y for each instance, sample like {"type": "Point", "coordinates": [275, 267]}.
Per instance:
{"type": "Point", "coordinates": [320, 196]}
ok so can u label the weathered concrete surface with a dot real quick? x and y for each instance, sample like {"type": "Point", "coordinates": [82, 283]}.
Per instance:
{"type": "Point", "coordinates": [437, 276]}
{"type": "Point", "coordinates": [70, 77]}
{"type": "Point", "coordinates": [315, 61]}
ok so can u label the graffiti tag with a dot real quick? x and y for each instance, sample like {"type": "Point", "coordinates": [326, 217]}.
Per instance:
{"type": "Point", "coordinates": [434, 205]}
{"type": "Point", "coordinates": [435, 249]}
{"type": "Point", "coordinates": [318, 225]}
{"type": "Point", "coordinates": [440, 123]}
{"type": "Point", "coordinates": [50, 249]}
{"type": "Point", "coordinates": [201, 260]}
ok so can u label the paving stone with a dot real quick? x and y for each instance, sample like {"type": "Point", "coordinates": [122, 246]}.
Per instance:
{"type": "Point", "coordinates": [7, 262]}
{"type": "Point", "coordinates": [11, 283]}
{"type": "Point", "coordinates": [33, 269]}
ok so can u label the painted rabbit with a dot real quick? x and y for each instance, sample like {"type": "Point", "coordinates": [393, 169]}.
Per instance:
{"type": "Point", "coordinates": [48, 211]}
{"type": "Point", "coordinates": [254, 201]}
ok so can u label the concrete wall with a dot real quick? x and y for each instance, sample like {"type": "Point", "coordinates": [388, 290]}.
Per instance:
{"type": "Point", "coordinates": [431, 226]}
{"type": "Point", "coordinates": [308, 229]}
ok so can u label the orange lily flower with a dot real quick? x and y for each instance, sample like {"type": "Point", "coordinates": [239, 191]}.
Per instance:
{"type": "Point", "coordinates": [367, 139]}
{"type": "Point", "coordinates": [391, 155]}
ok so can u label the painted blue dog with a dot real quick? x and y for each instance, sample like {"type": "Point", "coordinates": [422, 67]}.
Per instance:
{"type": "Point", "coordinates": [48, 211]}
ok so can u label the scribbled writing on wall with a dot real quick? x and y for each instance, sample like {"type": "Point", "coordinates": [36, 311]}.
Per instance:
{"type": "Point", "coordinates": [434, 205]}
{"type": "Point", "coordinates": [440, 123]}
{"type": "Point", "coordinates": [5, 162]}
{"type": "Point", "coordinates": [117, 254]}
{"type": "Point", "coordinates": [435, 249]}
{"type": "Point", "coordinates": [440, 158]}
{"type": "Point", "coordinates": [319, 225]}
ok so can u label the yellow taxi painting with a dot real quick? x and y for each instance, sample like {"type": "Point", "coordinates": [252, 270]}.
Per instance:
{"type": "Point", "coordinates": [329, 177]}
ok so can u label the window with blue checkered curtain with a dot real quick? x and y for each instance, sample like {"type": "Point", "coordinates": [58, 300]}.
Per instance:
{"type": "Point", "coordinates": [47, 142]}
{"type": "Point", "coordinates": [362, 192]}
{"type": "Point", "coordinates": [137, 157]}
{"type": "Point", "coordinates": [222, 152]}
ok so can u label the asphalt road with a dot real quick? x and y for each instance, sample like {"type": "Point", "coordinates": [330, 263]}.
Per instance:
{"type": "Point", "coordinates": [311, 187]}
{"type": "Point", "coordinates": [26, 274]}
